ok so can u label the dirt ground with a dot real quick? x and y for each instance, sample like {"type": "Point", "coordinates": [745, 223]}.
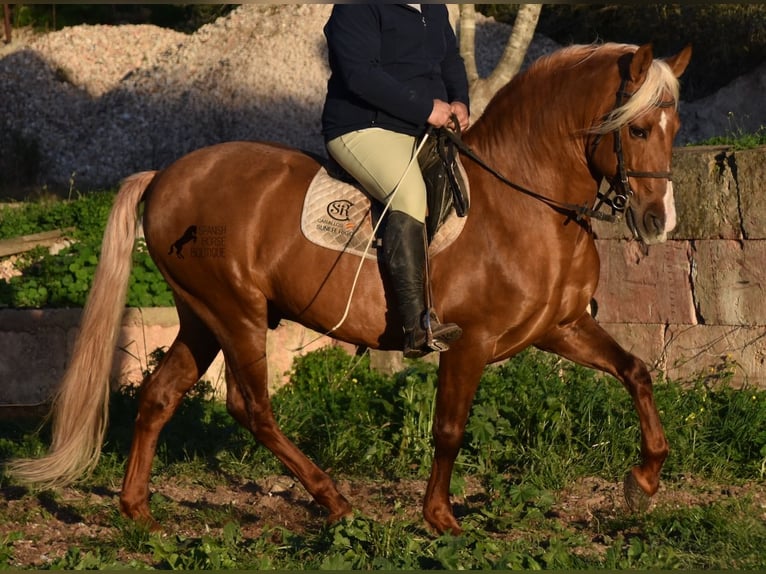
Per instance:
{"type": "Point", "coordinates": [50, 525]}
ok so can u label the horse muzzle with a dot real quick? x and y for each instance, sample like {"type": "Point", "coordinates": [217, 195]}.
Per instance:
{"type": "Point", "coordinates": [648, 226]}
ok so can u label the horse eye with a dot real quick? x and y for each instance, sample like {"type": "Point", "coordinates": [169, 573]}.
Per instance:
{"type": "Point", "coordinates": [637, 132]}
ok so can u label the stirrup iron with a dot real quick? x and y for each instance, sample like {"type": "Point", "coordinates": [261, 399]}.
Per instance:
{"type": "Point", "coordinates": [431, 342]}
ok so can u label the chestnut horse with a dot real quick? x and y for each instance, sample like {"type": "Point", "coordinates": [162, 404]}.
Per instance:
{"type": "Point", "coordinates": [521, 273]}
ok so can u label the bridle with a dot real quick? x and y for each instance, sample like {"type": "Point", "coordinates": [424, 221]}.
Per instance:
{"type": "Point", "coordinates": [617, 197]}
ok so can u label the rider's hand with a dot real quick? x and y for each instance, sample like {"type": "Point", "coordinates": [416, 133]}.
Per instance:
{"type": "Point", "coordinates": [461, 111]}
{"type": "Point", "coordinates": [440, 115]}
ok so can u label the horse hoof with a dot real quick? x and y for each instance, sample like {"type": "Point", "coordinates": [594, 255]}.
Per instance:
{"type": "Point", "coordinates": [637, 500]}
{"type": "Point", "coordinates": [148, 523]}
{"type": "Point", "coordinates": [445, 525]}
{"type": "Point", "coordinates": [344, 514]}
{"type": "Point", "coordinates": [141, 517]}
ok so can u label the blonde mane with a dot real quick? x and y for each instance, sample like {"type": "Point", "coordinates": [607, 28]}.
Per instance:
{"type": "Point", "coordinates": [659, 83]}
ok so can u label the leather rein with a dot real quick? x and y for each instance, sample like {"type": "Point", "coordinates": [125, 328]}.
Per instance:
{"type": "Point", "coordinates": [616, 198]}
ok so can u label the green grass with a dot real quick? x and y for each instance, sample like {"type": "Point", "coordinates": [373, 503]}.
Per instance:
{"type": "Point", "coordinates": [538, 425]}
{"type": "Point", "coordinates": [738, 139]}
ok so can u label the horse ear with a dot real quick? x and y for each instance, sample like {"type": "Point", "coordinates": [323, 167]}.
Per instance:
{"type": "Point", "coordinates": [639, 64]}
{"type": "Point", "coordinates": [679, 62]}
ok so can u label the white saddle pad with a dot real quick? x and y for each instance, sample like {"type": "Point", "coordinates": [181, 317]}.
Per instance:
{"type": "Point", "coordinates": [339, 216]}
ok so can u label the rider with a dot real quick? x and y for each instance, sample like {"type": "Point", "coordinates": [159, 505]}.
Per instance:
{"type": "Point", "coordinates": [395, 70]}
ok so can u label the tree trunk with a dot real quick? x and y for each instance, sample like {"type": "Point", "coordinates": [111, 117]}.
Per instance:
{"type": "Point", "coordinates": [7, 22]}
{"type": "Point", "coordinates": [467, 41]}
{"type": "Point", "coordinates": [482, 89]}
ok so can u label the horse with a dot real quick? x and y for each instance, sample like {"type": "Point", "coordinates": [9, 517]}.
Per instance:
{"type": "Point", "coordinates": [521, 273]}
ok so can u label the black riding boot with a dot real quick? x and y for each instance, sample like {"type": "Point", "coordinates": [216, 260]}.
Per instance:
{"type": "Point", "coordinates": [404, 254]}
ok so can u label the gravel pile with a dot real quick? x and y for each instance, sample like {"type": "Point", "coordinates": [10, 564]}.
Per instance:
{"type": "Point", "coordinates": [93, 104]}
{"type": "Point", "coordinates": [100, 102]}
{"type": "Point", "coordinates": [97, 58]}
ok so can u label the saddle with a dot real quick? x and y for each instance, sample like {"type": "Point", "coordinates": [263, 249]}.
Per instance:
{"type": "Point", "coordinates": [338, 213]}
{"type": "Point", "coordinates": [446, 187]}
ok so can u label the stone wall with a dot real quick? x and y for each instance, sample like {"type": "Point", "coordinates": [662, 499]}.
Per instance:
{"type": "Point", "coordinates": [35, 346]}
{"type": "Point", "coordinates": [695, 304]}
{"type": "Point", "coordinates": [692, 305]}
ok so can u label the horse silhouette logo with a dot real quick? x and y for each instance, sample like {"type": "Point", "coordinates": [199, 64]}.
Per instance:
{"type": "Point", "coordinates": [189, 235]}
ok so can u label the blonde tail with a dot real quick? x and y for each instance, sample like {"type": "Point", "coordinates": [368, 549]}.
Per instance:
{"type": "Point", "coordinates": [81, 405]}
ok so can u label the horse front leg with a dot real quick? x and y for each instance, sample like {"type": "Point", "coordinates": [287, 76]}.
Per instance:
{"type": "Point", "coordinates": [458, 380]}
{"type": "Point", "coordinates": [587, 343]}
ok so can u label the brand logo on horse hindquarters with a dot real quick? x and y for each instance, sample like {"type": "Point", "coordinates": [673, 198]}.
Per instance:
{"type": "Point", "coordinates": [189, 235]}
{"type": "Point", "coordinates": [208, 240]}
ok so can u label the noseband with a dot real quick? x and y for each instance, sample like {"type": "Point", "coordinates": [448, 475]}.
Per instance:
{"type": "Point", "coordinates": [618, 196]}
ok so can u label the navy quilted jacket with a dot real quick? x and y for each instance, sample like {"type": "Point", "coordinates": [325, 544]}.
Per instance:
{"type": "Point", "coordinates": [388, 63]}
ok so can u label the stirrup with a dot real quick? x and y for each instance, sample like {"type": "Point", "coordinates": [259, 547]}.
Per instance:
{"type": "Point", "coordinates": [445, 332]}
{"type": "Point", "coordinates": [430, 336]}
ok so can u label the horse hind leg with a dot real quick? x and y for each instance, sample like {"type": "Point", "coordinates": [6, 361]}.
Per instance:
{"type": "Point", "coordinates": [248, 402]}
{"type": "Point", "coordinates": [588, 344]}
{"type": "Point", "coordinates": [188, 358]}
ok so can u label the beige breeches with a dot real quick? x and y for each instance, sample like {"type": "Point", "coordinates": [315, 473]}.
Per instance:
{"type": "Point", "coordinates": [378, 159]}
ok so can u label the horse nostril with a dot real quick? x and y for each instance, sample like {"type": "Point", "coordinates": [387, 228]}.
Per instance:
{"type": "Point", "coordinates": [655, 223]}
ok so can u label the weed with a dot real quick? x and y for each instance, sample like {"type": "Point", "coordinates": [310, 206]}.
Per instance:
{"type": "Point", "coordinates": [131, 536]}
{"type": "Point", "coordinates": [64, 279]}
{"type": "Point", "coordinates": [723, 535]}
{"type": "Point", "coordinates": [6, 548]}
{"type": "Point", "coordinates": [76, 559]}
{"type": "Point", "coordinates": [737, 137]}
{"type": "Point", "coordinates": [205, 553]}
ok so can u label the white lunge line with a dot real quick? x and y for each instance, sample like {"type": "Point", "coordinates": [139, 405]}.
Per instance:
{"type": "Point", "coordinates": [367, 247]}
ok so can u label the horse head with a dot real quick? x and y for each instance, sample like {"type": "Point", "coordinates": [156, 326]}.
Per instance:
{"type": "Point", "coordinates": [633, 145]}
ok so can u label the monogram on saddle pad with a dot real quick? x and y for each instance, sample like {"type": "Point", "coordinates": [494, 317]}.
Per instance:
{"type": "Point", "coordinates": [338, 214]}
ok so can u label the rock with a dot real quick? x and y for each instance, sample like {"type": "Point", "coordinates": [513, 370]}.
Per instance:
{"type": "Point", "coordinates": [733, 110]}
